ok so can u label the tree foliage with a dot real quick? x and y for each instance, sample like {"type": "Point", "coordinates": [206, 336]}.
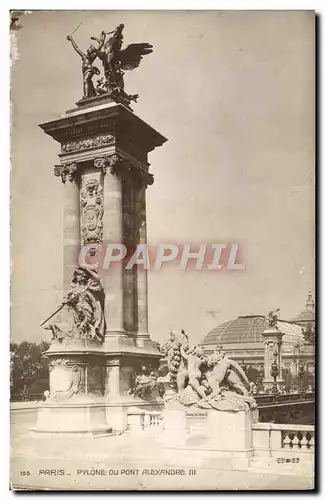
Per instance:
{"type": "Point", "coordinates": [27, 366]}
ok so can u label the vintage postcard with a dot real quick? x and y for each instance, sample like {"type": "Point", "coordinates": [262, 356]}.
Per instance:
{"type": "Point", "coordinates": [162, 246]}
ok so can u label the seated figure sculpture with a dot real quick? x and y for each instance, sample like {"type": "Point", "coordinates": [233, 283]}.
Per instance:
{"type": "Point", "coordinates": [81, 313]}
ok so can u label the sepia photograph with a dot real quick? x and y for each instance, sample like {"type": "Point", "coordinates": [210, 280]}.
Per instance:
{"type": "Point", "coordinates": [162, 317]}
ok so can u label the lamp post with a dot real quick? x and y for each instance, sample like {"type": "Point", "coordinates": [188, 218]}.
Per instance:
{"type": "Point", "coordinates": [301, 375]}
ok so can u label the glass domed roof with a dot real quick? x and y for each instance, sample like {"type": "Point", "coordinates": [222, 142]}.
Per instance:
{"type": "Point", "coordinates": [246, 329]}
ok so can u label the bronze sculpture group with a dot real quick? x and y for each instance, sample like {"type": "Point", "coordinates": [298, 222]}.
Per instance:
{"type": "Point", "coordinates": [114, 61]}
{"type": "Point", "coordinates": [272, 319]}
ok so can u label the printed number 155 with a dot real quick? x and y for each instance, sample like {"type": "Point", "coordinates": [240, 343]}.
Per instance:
{"type": "Point", "coordinates": [25, 473]}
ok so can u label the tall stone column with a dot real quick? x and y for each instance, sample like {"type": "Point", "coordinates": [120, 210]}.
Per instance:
{"type": "Point", "coordinates": [71, 220]}
{"type": "Point", "coordinates": [113, 234]}
{"type": "Point", "coordinates": [272, 352]}
{"type": "Point", "coordinates": [142, 277]}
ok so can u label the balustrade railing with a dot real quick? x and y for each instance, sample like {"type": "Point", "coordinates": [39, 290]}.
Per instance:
{"type": "Point", "coordinates": [282, 439]}
{"type": "Point", "coordinates": [153, 419]}
{"type": "Point", "coordinates": [142, 421]}
{"type": "Point", "coordinates": [298, 439]}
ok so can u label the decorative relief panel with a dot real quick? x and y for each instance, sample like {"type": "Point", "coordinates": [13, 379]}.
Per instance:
{"type": "Point", "coordinates": [65, 377]}
{"type": "Point", "coordinates": [91, 142]}
{"type": "Point", "coordinates": [92, 210]}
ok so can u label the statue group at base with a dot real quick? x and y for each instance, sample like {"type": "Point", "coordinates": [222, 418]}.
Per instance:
{"type": "Point", "coordinates": [81, 314]}
{"type": "Point", "coordinates": [206, 381]}
{"type": "Point", "coordinates": [144, 384]}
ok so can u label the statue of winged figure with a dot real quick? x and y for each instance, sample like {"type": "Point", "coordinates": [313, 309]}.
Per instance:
{"type": "Point", "coordinates": [115, 60]}
{"type": "Point", "coordinates": [272, 318]}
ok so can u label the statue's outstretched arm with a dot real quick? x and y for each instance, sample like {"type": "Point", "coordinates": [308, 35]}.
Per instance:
{"type": "Point", "coordinates": [75, 46]}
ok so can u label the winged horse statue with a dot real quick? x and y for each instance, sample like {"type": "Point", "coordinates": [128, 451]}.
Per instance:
{"type": "Point", "coordinates": [116, 60]}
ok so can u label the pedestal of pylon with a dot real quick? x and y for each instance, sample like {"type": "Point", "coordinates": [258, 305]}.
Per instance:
{"type": "Point", "coordinates": [105, 172]}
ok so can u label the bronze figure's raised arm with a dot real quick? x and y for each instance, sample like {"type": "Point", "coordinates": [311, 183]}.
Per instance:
{"type": "Point", "coordinates": [88, 70]}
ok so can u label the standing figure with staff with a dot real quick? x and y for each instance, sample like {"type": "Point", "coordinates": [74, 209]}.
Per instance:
{"type": "Point", "coordinates": [88, 70]}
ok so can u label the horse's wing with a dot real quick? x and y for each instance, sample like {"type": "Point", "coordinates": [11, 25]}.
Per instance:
{"type": "Point", "coordinates": [130, 57]}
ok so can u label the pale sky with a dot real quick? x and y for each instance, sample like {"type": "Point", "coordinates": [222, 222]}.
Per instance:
{"type": "Point", "coordinates": [233, 92]}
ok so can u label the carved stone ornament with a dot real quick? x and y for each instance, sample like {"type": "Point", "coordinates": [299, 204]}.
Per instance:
{"type": "Point", "coordinates": [111, 162]}
{"type": "Point", "coordinates": [92, 210]}
{"type": "Point", "coordinates": [205, 381]}
{"type": "Point", "coordinates": [144, 384]}
{"type": "Point", "coordinates": [65, 171]}
{"type": "Point", "coordinates": [65, 377]}
{"type": "Point", "coordinates": [119, 165]}
{"type": "Point", "coordinates": [270, 343]}
{"type": "Point", "coordinates": [91, 142]}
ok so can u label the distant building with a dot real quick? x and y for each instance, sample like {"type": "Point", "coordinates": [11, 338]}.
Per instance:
{"type": "Point", "coordinates": [242, 340]}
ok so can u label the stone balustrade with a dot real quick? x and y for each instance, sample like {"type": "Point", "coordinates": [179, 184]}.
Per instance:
{"type": "Point", "coordinates": [144, 420]}
{"type": "Point", "coordinates": [298, 439]}
{"type": "Point", "coordinates": [153, 419]}
{"type": "Point", "coordinates": [280, 440]}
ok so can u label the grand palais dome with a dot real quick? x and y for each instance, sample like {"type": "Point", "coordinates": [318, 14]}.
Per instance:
{"type": "Point", "coordinates": [249, 329]}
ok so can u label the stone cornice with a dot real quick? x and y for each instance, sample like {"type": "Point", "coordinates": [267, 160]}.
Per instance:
{"type": "Point", "coordinates": [104, 119]}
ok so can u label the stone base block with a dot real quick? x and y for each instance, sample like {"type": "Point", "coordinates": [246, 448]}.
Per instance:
{"type": "Point", "coordinates": [72, 419]}
{"type": "Point", "coordinates": [230, 432]}
{"type": "Point", "coordinates": [223, 439]}
{"type": "Point", "coordinates": [174, 428]}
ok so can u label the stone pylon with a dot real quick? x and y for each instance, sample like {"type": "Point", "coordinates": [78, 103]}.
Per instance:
{"type": "Point", "coordinates": [272, 352]}
{"type": "Point", "coordinates": [104, 171]}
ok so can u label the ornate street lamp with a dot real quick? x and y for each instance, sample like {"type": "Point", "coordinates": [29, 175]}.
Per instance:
{"type": "Point", "coordinates": [272, 350]}
{"type": "Point", "coordinates": [301, 375]}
